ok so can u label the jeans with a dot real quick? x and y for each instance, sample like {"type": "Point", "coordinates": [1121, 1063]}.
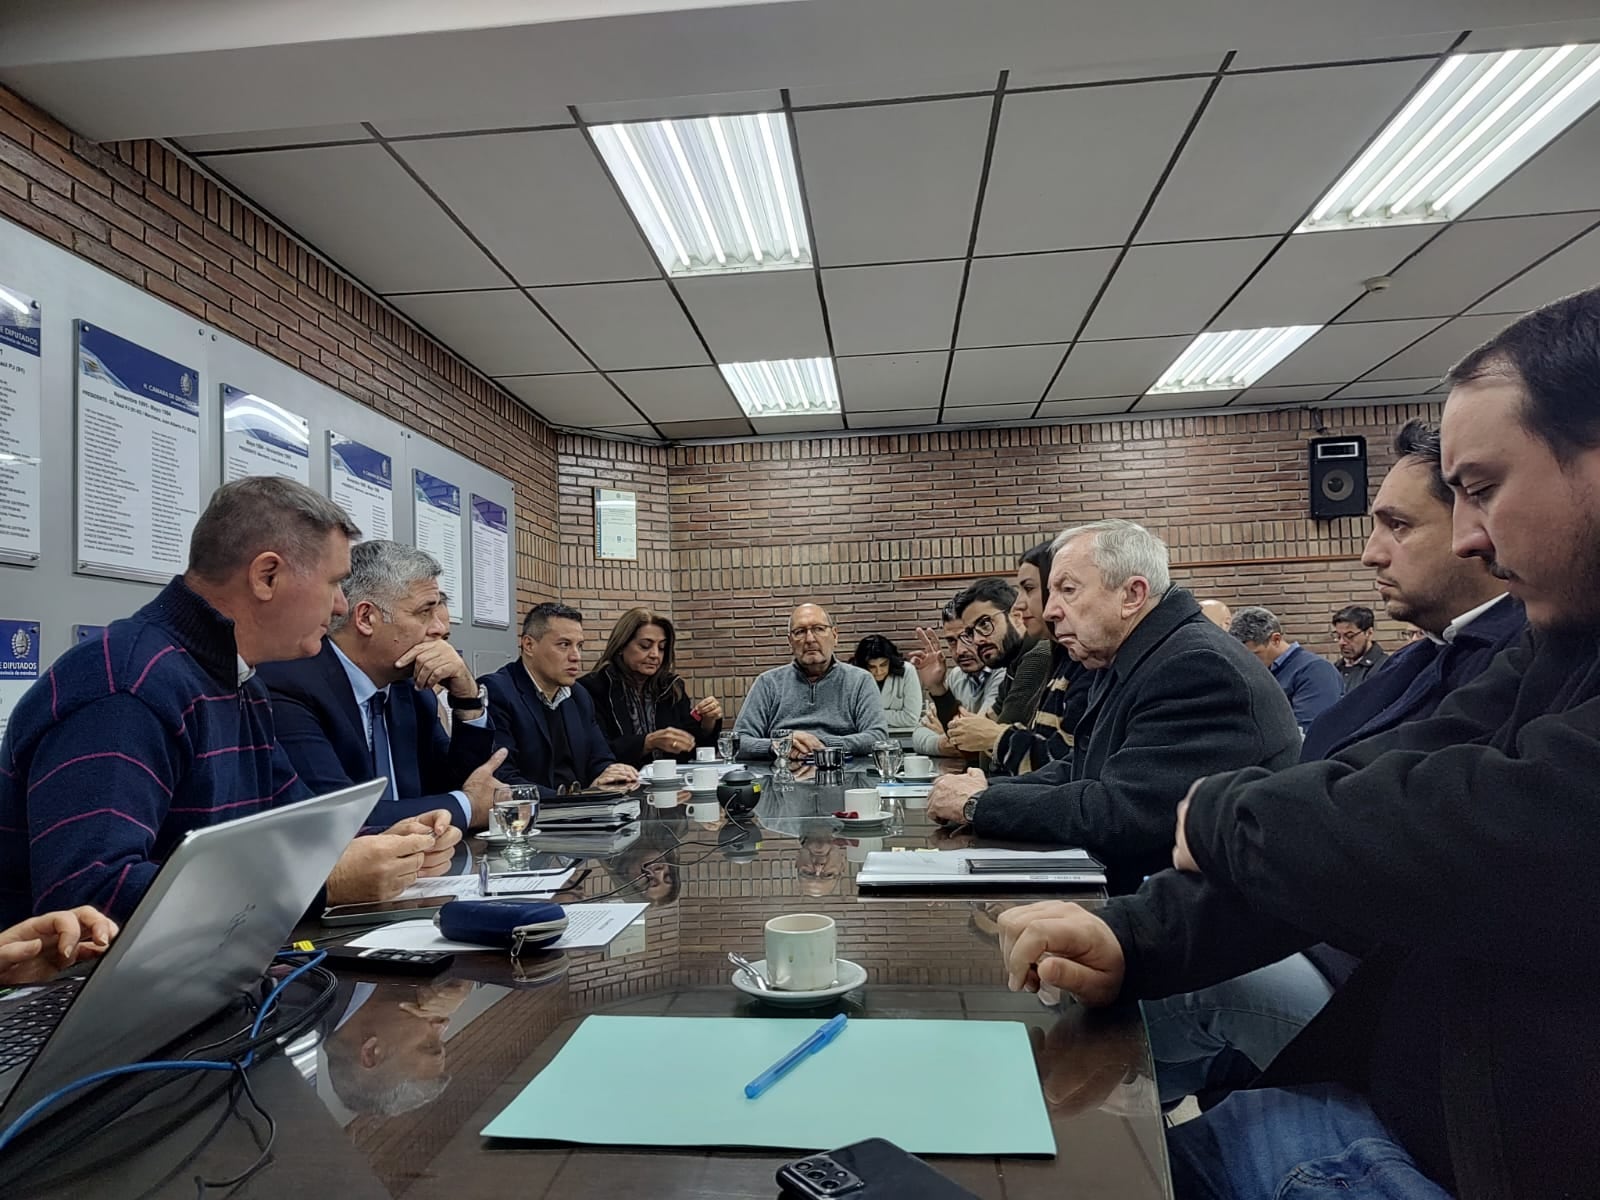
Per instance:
{"type": "Point", "coordinates": [1256, 1014]}
{"type": "Point", "coordinates": [1293, 1144]}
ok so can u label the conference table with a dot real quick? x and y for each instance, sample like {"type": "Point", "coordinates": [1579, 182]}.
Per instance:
{"type": "Point", "coordinates": [710, 883]}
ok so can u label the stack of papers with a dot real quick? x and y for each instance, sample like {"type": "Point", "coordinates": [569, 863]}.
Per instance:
{"type": "Point", "coordinates": [588, 812]}
{"type": "Point", "coordinates": [1071, 870]}
{"type": "Point", "coordinates": [913, 791]}
{"type": "Point", "coordinates": [505, 883]}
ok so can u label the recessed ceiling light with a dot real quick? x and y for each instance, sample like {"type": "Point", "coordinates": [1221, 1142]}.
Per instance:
{"type": "Point", "coordinates": [713, 194]}
{"type": "Point", "coordinates": [1231, 359]}
{"type": "Point", "coordinates": [785, 388]}
{"type": "Point", "coordinates": [1476, 119]}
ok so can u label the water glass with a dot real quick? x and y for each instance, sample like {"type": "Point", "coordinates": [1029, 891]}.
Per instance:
{"type": "Point", "coordinates": [512, 812]}
{"type": "Point", "coordinates": [727, 745]}
{"type": "Point", "coordinates": [782, 744]}
{"type": "Point", "coordinates": [887, 756]}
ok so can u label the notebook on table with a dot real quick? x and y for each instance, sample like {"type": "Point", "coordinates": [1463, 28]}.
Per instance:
{"type": "Point", "coordinates": [1069, 870]}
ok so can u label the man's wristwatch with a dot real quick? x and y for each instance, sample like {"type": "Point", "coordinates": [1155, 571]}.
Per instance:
{"type": "Point", "coordinates": [969, 810]}
{"type": "Point", "coordinates": [468, 703]}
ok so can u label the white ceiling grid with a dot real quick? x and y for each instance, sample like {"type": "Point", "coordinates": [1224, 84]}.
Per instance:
{"type": "Point", "coordinates": [1030, 246]}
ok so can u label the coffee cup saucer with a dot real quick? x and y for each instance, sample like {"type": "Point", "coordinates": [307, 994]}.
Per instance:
{"type": "Point", "coordinates": [863, 823]}
{"type": "Point", "coordinates": [850, 976]}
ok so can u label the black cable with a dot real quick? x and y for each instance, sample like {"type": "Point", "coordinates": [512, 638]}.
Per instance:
{"type": "Point", "coordinates": [262, 1160]}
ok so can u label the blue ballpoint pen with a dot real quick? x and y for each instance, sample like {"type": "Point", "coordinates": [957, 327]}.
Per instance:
{"type": "Point", "coordinates": [789, 1061]}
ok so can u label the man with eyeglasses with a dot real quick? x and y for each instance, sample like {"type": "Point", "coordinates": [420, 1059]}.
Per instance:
{"type": "Point", "coordinates": [975, 687]}
{"type": "Point", "coordinates": [821, 701]}
{"type": "Point", "coordinates": [1359, 652]}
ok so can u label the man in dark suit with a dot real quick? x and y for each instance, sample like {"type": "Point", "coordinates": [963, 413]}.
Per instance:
{"type": "Point", "coordinates": [545, 725]}
{"type": "Point", "coordinates": [1170, 697]}
{"type": "Point", "coordinates": [365, 707]}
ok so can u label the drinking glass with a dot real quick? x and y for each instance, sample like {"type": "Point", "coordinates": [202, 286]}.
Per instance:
{"type": "Point", "coordinates": [512, 812]}
{"type": "Point", "coordinates": [727, 745]}
{"type": "Point", "coordinates": [782, 743]}
{"type": "Point", "coordinates": [886, 756]}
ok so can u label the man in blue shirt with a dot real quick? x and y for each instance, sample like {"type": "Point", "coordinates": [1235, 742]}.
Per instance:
{"type": "Point", "coordinates": [1310, 681]}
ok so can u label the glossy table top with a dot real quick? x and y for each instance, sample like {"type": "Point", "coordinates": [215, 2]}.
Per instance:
{"type": "Point", "coordinates": [442, 1057]}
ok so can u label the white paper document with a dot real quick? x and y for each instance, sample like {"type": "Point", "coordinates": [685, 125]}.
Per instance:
{"type": "Point", "coordinates": [589, 927]}
{"type": "Point", "coordinates": [506, 883]}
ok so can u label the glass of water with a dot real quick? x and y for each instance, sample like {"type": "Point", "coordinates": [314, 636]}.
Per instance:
{"type": "Point", "coordinates": [727, 745]}
{"type": "Point", "coordinates": [782, 744]}
{"type": "Point", "coordinates": [887, 756]}
{"type": "Point", "coordinates": [512, 813]}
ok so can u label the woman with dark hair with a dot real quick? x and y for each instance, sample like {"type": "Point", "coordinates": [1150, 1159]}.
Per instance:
{"type": "Point", "coordinates": [640, 701]}
{"type": "Point", "coordinates": [899, 688]}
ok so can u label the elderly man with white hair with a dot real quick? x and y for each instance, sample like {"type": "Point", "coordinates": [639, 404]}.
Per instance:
{"type": "Point", "coordinates": [1171, 698]}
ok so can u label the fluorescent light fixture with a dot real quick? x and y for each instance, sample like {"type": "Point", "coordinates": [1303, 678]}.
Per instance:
{"type": "Point", "coordinates": [713, 194]}
{"type": "Point", "coordinates": [1231, 359]}
{"type": "Point", "coordinates": [1475, 120]}
{"type": "Point", "coordinates": [786, 388]}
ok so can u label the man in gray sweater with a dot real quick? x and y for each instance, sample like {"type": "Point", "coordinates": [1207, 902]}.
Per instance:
{"type": "Point", "coordinates": [822, 701]}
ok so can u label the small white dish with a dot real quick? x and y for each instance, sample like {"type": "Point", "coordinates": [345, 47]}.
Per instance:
{"type": "Point", "coordinates": [908, 777]}
{"type": "Point", "coordinates": [491, 838]}
{"type": "Point", "coordinates": [851, 976]}
{"type": "Point", "coordinates": [863, 823]}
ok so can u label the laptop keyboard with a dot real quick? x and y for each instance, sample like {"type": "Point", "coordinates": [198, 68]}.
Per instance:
{"type": "Point", "coordinates": [25, 1023]}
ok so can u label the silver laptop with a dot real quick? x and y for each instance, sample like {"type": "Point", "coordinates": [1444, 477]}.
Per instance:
{"type": "Point", "coordinates": [217, 912]}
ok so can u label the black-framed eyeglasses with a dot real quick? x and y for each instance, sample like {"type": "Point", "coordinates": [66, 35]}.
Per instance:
{"type": "Point", "coordinates": [983, 627]}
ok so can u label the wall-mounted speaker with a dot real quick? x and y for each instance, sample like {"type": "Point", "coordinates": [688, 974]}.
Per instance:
{"type": "Point", "coordinates": [1338, 477]}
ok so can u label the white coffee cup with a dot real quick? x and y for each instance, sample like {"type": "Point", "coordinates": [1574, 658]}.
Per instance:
{"type": "Point", "coordinates": [703, 779]}
{"type": "Point", "coordinates": [802, 952]}
{"type": "Point", "coordinates": [864, 802]}
{"type": "Point", "coordinates": [916, 765]}
{"type": "Point", "coordinates": [705, 754]}
{"type": "Point", "coordinates": [705, 812]}
{"type": "Point", "coordinates": [664, 797]}
{"type": "Point", "coordinates": [663, 769]}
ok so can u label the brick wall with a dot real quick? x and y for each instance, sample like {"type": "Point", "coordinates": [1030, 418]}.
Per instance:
{"type": "Point", "coordinates": [138, 211]}
{"type": "Point", "coordinates": [605, 588]}
{"type": "Point", "coordinates": [883, 529]}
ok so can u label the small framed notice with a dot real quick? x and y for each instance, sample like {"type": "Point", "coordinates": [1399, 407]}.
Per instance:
{"type": "Point", "coordinates": [616, 524]}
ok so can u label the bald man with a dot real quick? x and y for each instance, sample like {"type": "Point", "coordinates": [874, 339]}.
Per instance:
{"type": "Point", "coordinates": [822, 701]}
{"type": "Point", "coordinates": [1218, 613]}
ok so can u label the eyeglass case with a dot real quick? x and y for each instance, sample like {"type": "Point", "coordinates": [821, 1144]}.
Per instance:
{"type": "Point", "coordinates": [502, 923]}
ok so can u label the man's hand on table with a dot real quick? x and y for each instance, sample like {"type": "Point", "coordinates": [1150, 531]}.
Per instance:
{"type": "Point", "coordinates": [380, 866]}
{"type": "Point", "coordinates": [1065, 946]}
{"type": "Point", "coordinates": [950, 794]}
{"type": "Point", "coordinates": [974, 734]}
{"type": "Point", "coordinates": [803, 743]}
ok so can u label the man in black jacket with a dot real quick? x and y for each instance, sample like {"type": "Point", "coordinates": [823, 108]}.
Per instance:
{"type": "Point", "coordinates": [1461, 1057]}
{"type": "Point", "coordinates": [1170, 697]}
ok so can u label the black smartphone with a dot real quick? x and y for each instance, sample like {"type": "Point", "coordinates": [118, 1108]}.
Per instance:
{"type": "Point", "coordinates": [869, 1170]}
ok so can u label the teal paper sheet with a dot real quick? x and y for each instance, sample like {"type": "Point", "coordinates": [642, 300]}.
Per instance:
{"type": "Point", "coordinates": [930, 1087]}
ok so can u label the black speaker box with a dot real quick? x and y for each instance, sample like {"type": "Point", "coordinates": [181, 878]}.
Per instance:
{"type": "Point", "coordinates": [1338, 477]}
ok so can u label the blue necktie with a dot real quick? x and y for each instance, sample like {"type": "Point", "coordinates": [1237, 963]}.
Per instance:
{"type": "Point", "coordinates": [382, 759]}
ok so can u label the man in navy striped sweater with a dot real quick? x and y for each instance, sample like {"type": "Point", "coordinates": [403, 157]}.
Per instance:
{"type": "Point", "coordinates": [160, 727]}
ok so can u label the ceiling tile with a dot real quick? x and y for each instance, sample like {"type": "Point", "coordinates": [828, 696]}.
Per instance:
{"type": "Point", "coordinates": [1386, 389]}
{"type": "Point", "coordinates": [809, 422]}
{"type": "Point", "coordinates": [1009, 375]}
{"type": "Point", "coordinates": [894, 418]}
{"type": "Point", "coordinates": [585, 400]}
{"type": "Point", "coordinates": [1269, 145]}
{"type": "Point", "coordinates": [1096, 369]}
{"type": "Point", "coordinates": [1112, 72]}
{"type": "Point", "coordinates": [1182, 402]}
{"type": "Point", "coordinates": [1466, 260]}
{"type": "Point", "coordinates": [987, 414]}
{"type": "Point", "coordinates": [204, 143]}
{"type": "Point", "coordinates": [892, 183]}
{"type": "Point", "coordinates": [624, 326]}
{"type": "Point", "coordinates": [1551, 33]}
{"type": "Point", "coordinates": [540, 202]}
{"type": "Point", "coordinates": [1345, 352]}
{"type": "Point", "coordinates": [881, 88]}
{"type": "Point", "coordinates": [1030, 297]}
{"type": "Point", "coordinates": [1564, 176]}
{"type": "Point", "coordinates": [758, 316]}
{"type": "Point", "coordinates": [617, 112]}
{"type": "Point", "coordinates": [1292, 394]}
{"type": "Point", "coordinates": [1573, 269]}
{"type": "Point", "coordinates": [883, 310]}
{"type": "Point", "coordinates": [679, 394]}
{"type": "Point", "coordinates": [728, 427]}
{"type": "Point", "coordinates": [1086, 408]}
{"type": "Point", "coordinates": [1073, 169]}
{"type": "Point", "coordinates": [357, 206]}
{"type": "Point", "coordinates": [1440, 350]}
{"type": "Point", "coordinates": [521, 118]}
{"type": "Point", "coordinates": [888, 381]}
{"type": "Point", "coordinates": [1313, 276]}
{"type": "Point", "coordinates": [1340, 49]}
{"type": "Point", "coordinates": [1174, 288]}
{"type": "Point", "coordinates": [499, 332]}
